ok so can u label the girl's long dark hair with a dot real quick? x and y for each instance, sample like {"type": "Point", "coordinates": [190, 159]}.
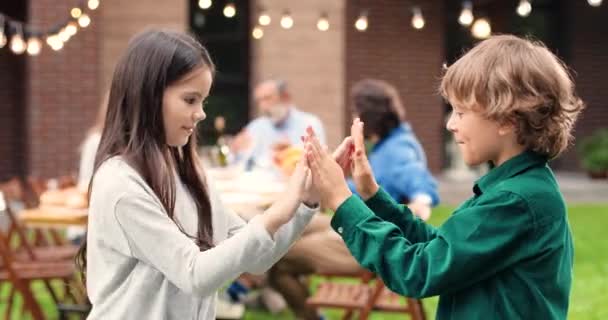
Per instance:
{"type": "Point", "coordinates": [134, 129]}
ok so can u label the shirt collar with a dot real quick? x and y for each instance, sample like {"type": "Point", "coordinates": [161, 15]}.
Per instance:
{"type": "Point", "coordinates": [508, 169]}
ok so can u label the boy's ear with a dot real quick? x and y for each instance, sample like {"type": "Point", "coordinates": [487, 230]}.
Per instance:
{"type": "Point", "coordinates": [506, 128]}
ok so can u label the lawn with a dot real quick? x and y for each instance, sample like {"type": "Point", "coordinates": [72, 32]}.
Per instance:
{"type": "Point", "coordinates": [589, 299]}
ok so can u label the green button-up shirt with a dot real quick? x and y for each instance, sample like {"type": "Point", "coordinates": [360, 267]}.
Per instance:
{"type": "Point", "coordinates": [505, 253]}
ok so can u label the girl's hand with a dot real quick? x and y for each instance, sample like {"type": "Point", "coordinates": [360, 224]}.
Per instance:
{"type": "Point", "coordinates": [361, 170]}
{"type": "Point", "coordinates": [327, 175]}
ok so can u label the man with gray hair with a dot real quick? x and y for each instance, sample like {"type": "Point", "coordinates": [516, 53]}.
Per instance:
{"type": "Point", "coordinates": [280, 125]}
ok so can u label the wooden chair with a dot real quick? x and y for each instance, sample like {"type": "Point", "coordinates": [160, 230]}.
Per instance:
{"type": "Point", "coordinates": [363, 296]}
{"type": "Point", "coordinates": [30, 258]}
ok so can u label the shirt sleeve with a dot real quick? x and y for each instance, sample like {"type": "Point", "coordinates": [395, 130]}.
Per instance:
{"type": "Point", "coordinates": [412, 227]}
{"type": "Point", "coordinates": [473, 244]}
{"type": "Point", "coordinates": [156, 240]}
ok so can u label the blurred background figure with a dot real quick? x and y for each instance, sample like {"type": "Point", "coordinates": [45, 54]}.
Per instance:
{"type": "Point", "coordinates": [269, 139]}
{"type": "Point", "coordinates": [397, 158]}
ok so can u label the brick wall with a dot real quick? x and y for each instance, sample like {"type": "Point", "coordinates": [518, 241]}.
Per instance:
{"type": "Point", "coordinates": [410, 59]}
{"type": "Point", "coordinates": [12, 92]}
{"type": "Point", "coordinates": [61, 95]}
{"type": "Point", "coordinates": [123, 18]}
{"type": "Point", "coordinates": [588, 57]}
{"type": "Point", "coordinates": [311, 61]}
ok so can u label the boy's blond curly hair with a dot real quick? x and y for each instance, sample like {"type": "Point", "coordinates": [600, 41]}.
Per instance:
{"type": "Point", "coordinates": [514, 80]}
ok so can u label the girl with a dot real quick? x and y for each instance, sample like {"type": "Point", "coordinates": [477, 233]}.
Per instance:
{"type": "Point", "coordinates": [159, 242]}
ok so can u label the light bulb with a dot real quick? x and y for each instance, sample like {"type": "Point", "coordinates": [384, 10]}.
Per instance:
{"type": "Point", "coordinates": [286, 20]}
{"type": "Point", "coordinates": [204, 4]}
{"type": "Point", "coordinates": [594, 3]}
{"type": "Point", "coordinates": [71, 28]}
{"type": "Point", "coordinates": [84, 20]}
{"type": "Point", "coordinates": [323, 23]}
{"type": "Point", "coordinates": [264, 19]}
{"type": "Point", "coordinates": [417, 18]}
{"type": "Point", "coordinates": [361, 23]}
{"type": "Point", "coordinates": [17, 44]}
{"type": "Point", "coordinates": [229, 10]}
{"type": "Point", "coordinates": [64, 35]}
{"type": "Point", "coordinates": [466, 15]}
{"type": "Point", "coordinates": [76, 12]}
{"type": "Point", "coordinates": [524, 8]}
{"type": "Point", "coordinates": [2, 38]}
{"type": "Point", "coordinates": [257, 32]}
{"type": "Point", "coordinates": [93, 4]}
{"type": "Point", "coordinates": [33, 46]}
{"type": "Point", "coordinates": [481, 29]}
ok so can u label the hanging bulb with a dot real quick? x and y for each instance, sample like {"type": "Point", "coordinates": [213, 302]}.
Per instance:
{"type": "Point", "coordinates": [54, 42]}
{"type": "Point", "coordinates": [466, 15]}
{"type": "Point", "coordinates": [286, 20]}
{"type": "Point", "coordinates": [71, 28]}
{"type": "Point", "coordinates": [361, 23]}
{"type": "Point", "coordinates": [257, 32]}
{"type": "Point", "coordinates": [17, 44]}
{"type": "Point", "coordinates": [33, 46]}
{"type": "Point", "coordinates": [204, 4]}
{"type": "Point", "coordinates": [229, 10]}
{"type": "Point", "coordinates": [524, 8]}
{"type": "Point", "coordinates": [264, 18]}
{"type": "Point", "coordinates": [64, 35]}
{"type": "Point", "coordinates": [93, 4]}
{"type": "Point", "coordinates": [594, 3]}
{"type": "Point", "coordinates": [323, 23]}
{"type": "Point", "coordinates": [417, 18]}
{"type": "Point", "coordinates": [3, 39]}
{"type": "Point", "coordinates": [84, 20]}
{"type": "Point", "coordinates": [481, 28]}
{"type": "Point", "coordinates": [76, 12]}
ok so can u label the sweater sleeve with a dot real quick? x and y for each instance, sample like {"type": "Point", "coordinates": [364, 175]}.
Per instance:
{"type": "Point", "coordinates": [156, 240]}
{"type": "Point", "coordinates": [473, 244]}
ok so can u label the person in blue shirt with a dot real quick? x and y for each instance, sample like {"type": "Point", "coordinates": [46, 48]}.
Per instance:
{"type": "Point", "coordinates": [280, 125]}
{"type": "Point", "coordinates": [396, 157]}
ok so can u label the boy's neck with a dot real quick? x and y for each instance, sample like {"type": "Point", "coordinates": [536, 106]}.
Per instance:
{"type": "Point", "coordinates": [510, 151]}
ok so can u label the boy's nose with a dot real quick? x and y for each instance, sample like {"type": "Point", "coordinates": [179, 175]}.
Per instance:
{"type": "Point", "coordinates": [450, 123]}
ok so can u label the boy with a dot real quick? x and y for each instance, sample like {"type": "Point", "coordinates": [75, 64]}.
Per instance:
{"type": "Point", "coordinates": [505, 253]}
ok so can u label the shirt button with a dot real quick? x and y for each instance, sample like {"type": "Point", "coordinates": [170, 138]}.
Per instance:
{"type": "Point", "coordinates": [340, 230]}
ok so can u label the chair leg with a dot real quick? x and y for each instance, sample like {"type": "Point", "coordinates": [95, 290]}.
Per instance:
{"type": "Point", "coordinates": [417, 309]}
{"type": "Point", "coordinates": [348, 314]}
{"type": "Point", "coordinates": [29, 302]}
{"type": "Point", "coordinates": [11, 299]}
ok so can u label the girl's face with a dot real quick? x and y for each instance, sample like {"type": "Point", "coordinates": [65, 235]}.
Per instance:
{"type": "Point", "coordinates": [183, 105]}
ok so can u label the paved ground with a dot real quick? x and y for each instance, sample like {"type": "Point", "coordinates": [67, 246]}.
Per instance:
{"type": "Point", "coordinates": [577, 188]}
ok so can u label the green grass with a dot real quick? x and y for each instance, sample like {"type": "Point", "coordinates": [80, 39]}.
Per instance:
{"type": "Point", "coordinates": [590, 286]}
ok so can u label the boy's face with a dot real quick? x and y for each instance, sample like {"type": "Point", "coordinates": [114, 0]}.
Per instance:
{"type": "Point", "coordinates": [479, 139]}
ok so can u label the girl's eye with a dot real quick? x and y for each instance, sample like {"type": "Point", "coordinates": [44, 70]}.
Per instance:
{"type": "Point", "coordinates": [190, 100]}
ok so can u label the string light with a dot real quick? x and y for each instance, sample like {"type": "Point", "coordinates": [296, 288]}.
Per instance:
{"type": "Point", "coordinates": [84, 20]}
{"type": "Point", "coordinates": [264, 18]}
{"type": "Point", "coordinates": [257, 32]}
{"type": "Point", "coordinates": [466, 15]}
{"type": "Point", "coordinates": [93, 4]}
{"type": "Point", "coordinates": [323, 23]}
{"type": "Point", "coordinates": [33, 46]}
{"type": "Point", "coordinates": [361, 23]}
{"type": "Point", "coordinates": [481, 28]}
{"type": "Point", "coordinates": [17, 44]}
{"type": "Point", "coordinates": [204, 4]}
{"type": "Point", "coordinates": [286, 20]}
{"type": "Point", "coordinates": [594, 3]}
{"type": "Point", "coordinates": [76, 12]}
{"type": "Point", "coordinates": [229, 10]}
{"type": "Point", "coordinates": [417, 18]}
{"type": "Point", "coordinates": [524, 8]}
